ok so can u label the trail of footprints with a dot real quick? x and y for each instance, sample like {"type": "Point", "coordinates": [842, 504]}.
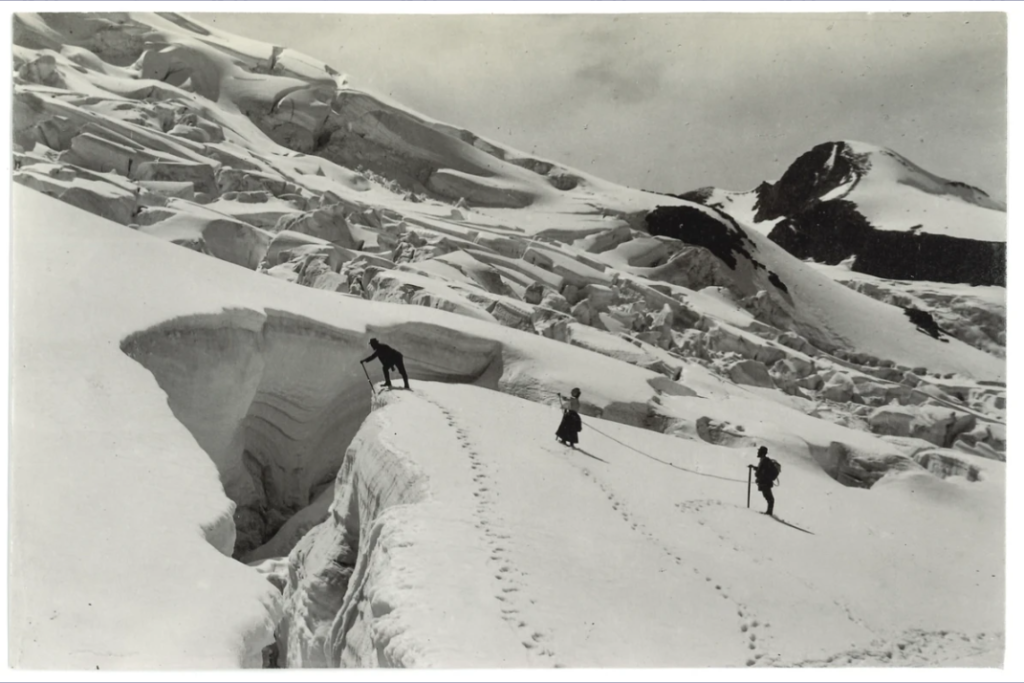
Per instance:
{"type": "Point", "coordinates": [698, 505]}
{"type": "Point", "coordinates": [511, 584]}
{"type": "Point", "coordinates": [510, 579]}
{"type": "Point", "coordinates": [751, 628]}
{"type": "Point", "coordinates": [914, 647]}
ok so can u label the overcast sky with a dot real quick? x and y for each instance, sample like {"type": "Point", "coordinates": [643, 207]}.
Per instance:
{"type": "Point", "coordinates": [672, 102]}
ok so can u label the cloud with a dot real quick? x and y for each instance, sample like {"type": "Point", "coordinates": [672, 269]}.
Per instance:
{"type": "Point", "coordinates": [622, 82]}
{"type": "Point", "coordinates": [675, 101]}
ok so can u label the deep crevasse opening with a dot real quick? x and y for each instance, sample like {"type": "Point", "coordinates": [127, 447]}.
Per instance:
{"type": "Point", "coordinates": [275, 399]}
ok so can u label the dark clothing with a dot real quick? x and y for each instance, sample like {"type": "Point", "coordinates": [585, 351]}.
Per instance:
{"type": "Point", "coordinates": [569, 429]}
{"type": "Point", "coordinates": [389, 358]}
{"type": "Point", "coordinates": [765, 476]}
{"type": "Point", "coordinates": [401, 370]}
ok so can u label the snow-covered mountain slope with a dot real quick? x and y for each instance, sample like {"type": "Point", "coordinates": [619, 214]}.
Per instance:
{"type": "Point", "coordinates": [844, 199]}
{"type": "Point", "coordinates": [615, 557]}
{"type": "Point", "coordinates": [801, 299]}
{"type": "Point", "coordinates": [314, 216]}
{"type": "Point", "coordinates": [192, 102]}
{"type": "Point", "coordinates": [267, 383]}
{"type": "Point", "coordinates": [460, 535]}
{"type": "Point", "coordinates": [976, 315]}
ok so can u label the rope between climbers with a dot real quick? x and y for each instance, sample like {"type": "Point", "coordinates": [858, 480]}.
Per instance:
{"type": "Point", "coordinates": [646, 455]}
{"type": "Point", "coordinates": [665, 462]}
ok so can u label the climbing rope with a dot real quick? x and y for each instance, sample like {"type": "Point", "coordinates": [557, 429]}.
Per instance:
{"type": "Point", "coordinates": [665, 462]}
{"type": "Point", "coordinates": [607, 436]}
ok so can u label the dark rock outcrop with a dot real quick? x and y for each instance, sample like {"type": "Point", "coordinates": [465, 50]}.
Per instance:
{"type": "Point", "coordinates": [719, 235]}
{"type": "Point", "coordinates": [815, 204]}
{"type": "Point", "coordinates": [711, 229]}
{"type": "Point", "coordinates": [832, 231]}
{"type": "Point", "coordinates": [813, 174]}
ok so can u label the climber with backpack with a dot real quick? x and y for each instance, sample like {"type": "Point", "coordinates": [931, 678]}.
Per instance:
{"type": "Point", "coordinates": [766, 474]}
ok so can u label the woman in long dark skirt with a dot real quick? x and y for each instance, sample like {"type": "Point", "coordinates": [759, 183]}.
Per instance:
{"type": "Point", "coordinates": [569, 430]}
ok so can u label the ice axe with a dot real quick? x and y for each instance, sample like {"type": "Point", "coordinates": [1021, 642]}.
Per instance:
{"type": "Point", "coordinates": [750, 470]}
{"type": "Point", "coordinates": [363, 365]}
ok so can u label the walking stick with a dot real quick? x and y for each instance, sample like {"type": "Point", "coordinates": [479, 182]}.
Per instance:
{"type": "Point", "coordinates": [375, 393]}
{"type": "Point", "coordinates": [748, 485]}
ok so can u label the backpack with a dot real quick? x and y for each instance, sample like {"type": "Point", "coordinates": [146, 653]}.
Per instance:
{"type": "Point", "coordinates": [778, 471]}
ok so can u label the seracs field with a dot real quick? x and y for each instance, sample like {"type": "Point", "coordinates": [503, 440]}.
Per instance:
{"type": "Point", "coordinates": [207, 232]}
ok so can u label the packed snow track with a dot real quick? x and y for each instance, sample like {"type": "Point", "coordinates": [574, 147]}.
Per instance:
{"type": "Point", "coordinates": [460, 540]}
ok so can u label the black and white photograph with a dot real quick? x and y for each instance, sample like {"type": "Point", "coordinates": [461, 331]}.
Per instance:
{"type": "Point", "coordinates": [461, 336]}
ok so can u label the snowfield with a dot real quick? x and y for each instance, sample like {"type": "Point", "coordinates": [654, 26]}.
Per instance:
{"type": "Point", "coordinates": [524, 531]}
{"type": "Point", "coordinates": [473, 538]}
{"type": "Point", "coordinates": [944, 207]}
{"type": "Point", "coordinates": [208, 231]}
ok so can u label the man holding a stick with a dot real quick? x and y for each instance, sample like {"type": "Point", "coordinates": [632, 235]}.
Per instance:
{"type": "Point", "coordinates": [389, 359]}
{"type": "Point", "coordinates": [765, 473]}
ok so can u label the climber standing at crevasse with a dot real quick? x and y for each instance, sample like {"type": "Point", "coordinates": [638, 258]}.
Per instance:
{"type": "Point", "coordinates": [569, 429]}
{"type": "Point", "coordinates": [389, 358]}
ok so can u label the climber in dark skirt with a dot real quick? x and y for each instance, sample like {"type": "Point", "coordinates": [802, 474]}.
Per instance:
{"type": "Point", "coordinates": [569, 430]}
